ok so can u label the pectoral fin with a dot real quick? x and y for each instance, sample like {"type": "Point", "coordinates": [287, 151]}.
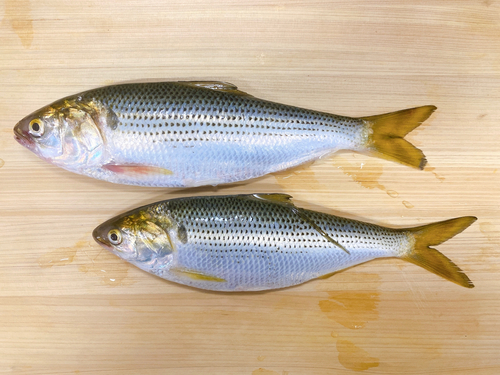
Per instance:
{"type": "Point", "coordinates": [196, 275]}
{"type": "Point", "coordinates": [134, 170]}
{"type": "Point", "coordinates": [216, 86]}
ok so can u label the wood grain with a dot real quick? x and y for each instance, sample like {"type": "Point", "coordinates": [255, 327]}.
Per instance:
{"type": "Point", "coordinates": [69, 307]}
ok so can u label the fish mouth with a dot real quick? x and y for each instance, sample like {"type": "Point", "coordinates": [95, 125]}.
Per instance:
{"type": "Point", "coordinates": [23, 138]}
{"type": "Point", "coordinates": [99, 239]}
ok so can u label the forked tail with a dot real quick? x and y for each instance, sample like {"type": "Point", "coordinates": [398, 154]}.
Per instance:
{"type": "Point", "coordinates": [432, 260]}
{"type": "Point", "coordinates": [388, 132]}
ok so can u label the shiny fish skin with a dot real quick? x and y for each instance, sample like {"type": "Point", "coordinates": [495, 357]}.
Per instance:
{"type": "Point", "coordinates": [216, 137]}
{"type": "Point", "coordinates": [245, 243]}
{"type": "Point", "coordinates": [179, 134]}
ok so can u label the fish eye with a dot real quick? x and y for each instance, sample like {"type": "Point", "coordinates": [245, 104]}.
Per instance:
{"type": "Point", "coordinates": [115, 236]}
{"type": "Point", "coordinates": [36, 128]}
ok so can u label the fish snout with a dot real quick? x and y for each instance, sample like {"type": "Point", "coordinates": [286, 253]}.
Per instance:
{"type": "Point", "coordinates": [22, 135]}
{"type": "Point", "coordinates": [100, 237]}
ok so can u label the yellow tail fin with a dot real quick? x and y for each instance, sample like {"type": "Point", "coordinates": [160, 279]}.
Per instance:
{"type": "Point", "coordinates": [432, 260]}
{"type": "Point", "coordinates": [388, 132]}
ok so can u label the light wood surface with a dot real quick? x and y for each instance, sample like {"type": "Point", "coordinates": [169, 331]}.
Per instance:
{"type": "Point", "coordinates": [69, 307]}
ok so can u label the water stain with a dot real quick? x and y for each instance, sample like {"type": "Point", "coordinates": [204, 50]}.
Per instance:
{"type": "Point", "coordinates": [108, 268]}
{"type": "Point", "coordinates": [352, 309]}
{"type": "Point", "coordinates": [2, 163]}
{"type": "Point", "coordinates": [353, 357]}
{"type": "Point", "coordinates": [408, 204]}
{"type": "Point", "coordinates": [301, 178]}
{"type": "Point", "coordinates": [490, 232]}
{"type": "Point", "coordinates": [260, 358]}
{"type": "Point", "coordinates": [18, 16]}
{"type": "Point", "coordinates": [366, 174]}
{"type": "Point", "coordinates": [487, 258]}
{"type": "Point", "coordinates": [61, 256]}
{"type": "Point", "coordinates": [432, 170]}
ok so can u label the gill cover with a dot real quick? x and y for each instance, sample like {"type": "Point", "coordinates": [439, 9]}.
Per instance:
{"type": "Point", "coordinates": [82, 140]}
{"type": "Point", "coordinates": [151, 238]}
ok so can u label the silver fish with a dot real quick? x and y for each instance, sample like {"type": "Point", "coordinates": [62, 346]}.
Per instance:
{"type": "Point", "coordinates": [180, 134]}
{"type": "Point", "coordinates": [263, 241]}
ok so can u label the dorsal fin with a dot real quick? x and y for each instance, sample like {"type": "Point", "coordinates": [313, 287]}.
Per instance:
{"type": "Point", "coordinates": [286, 199]}
{"type": "Point", "coordinates": [275, 197]}
{"type": "Point", "coordinates": [301, 213]}
{"type": "Point", "coordinates": [216, 86]}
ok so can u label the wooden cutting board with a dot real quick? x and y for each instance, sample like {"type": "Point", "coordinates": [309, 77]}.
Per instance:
{"type": "Point", "coordinates": [69, 307]}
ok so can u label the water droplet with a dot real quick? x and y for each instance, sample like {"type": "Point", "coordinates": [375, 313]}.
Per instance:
{"type": "Point", "coordinates": [432, 170]}
{"type": "Point", "coordinates": [392, 193]}
{"type": "Point", "coordinates": [408, 204]}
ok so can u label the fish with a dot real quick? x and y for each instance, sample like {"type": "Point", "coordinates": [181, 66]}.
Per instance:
{"type": "Point", "coordinates": [254, 242]}
{"type": "Point", "coordinates": [194, 133]}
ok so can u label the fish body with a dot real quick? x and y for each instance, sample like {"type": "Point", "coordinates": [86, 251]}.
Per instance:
{"type": "Point", "coordinates": [180, 134]}
{"type": "Point", "coordinates": [263, 241]}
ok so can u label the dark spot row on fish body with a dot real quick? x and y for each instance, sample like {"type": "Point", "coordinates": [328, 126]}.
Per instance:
{"type": "Point", "coordinates": [248, 123]}
{"type": "Point", "coordinates": [152, 103]}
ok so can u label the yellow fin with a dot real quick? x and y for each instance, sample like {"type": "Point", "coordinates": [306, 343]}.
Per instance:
{"type": "Point", "coordinates": [216, 86]}
{"type": "Point", "coordinates": [287, 200]}
{"type": "Point", "coordinates": [195, 275]}
{"type": "Point", "coordinates": [135, 169]}
{"type": "Point", "coordinates": [432, 260]}
{"type": "Point", "coordinates": [275, 197]}
{"type": "Point", "coordinates": [302, 214]}
{"type": "Point", "coordinates": [388, 132]}
{"type": "Point", "coordinates": [327, 275]}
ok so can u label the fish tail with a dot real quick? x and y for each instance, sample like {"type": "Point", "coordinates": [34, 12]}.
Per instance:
{"type": "Point", "coordinates": [432, 260]}
{"type": "Point", "coordinates": [388, 132]}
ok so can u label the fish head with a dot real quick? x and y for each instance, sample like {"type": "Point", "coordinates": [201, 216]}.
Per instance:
{"type": "Point", "coordinates": [137, 238]}
{"type": "Point", "coordinates": [64, 133]}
